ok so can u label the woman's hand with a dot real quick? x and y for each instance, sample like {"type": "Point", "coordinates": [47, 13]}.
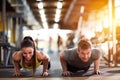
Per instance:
{"type": "Point", "coordinates": [66, 73]}
{"type": "Point", "coordinates": [45, 74]}
{"type": "Point", "coordinates": [17, 74]}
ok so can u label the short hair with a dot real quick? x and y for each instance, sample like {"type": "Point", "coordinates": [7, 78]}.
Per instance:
{"type": "Point", "coordinates": [84, 44]}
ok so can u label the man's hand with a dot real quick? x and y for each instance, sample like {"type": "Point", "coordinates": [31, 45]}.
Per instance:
{"type": "Point", "coordinates": [45, 74]}
{"type": "Point", "coordinates": [66, 73]}
{"type": "Point", "coordinates": [97, 72]}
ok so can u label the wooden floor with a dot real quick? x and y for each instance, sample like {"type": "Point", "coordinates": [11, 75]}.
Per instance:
{"type": "Point", "coordinates": [55, 73]}
{"type": "Point", "coordinates": [68, 78]}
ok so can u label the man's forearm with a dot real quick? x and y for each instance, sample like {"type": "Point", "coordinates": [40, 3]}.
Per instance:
{"type": "Point", "coordinates": [96, 64]}
{"type": "Point", "coordinates": [63, 64]}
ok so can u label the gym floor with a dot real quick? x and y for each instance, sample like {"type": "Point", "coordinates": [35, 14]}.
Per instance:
{"type": "Point", "coordinates": [108, 73]}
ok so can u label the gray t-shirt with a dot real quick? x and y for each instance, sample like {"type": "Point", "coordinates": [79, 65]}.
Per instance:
{"type": "Point", "coordinates": [72, 58]}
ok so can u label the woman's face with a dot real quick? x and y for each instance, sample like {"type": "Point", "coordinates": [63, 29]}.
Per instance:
{"type": "Point", "coordinates": [27, 52]}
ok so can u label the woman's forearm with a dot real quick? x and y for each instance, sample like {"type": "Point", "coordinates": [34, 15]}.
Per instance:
{"type": "Point", "coordinates": [45, 65]}
{"type": "Point", "coordinates": [16, 66]}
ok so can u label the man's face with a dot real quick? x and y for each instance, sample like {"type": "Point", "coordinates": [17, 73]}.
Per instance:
{"type": "Point", "coordinates": [27, 52]}
{"type": "Point", "coordinates": [84, 54]}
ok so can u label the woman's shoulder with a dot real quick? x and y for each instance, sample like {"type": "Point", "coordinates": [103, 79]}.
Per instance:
{"type": "Point", "coordinates": [38, 52]}
{"type": "Point", "coordinates": [17, 55]}
{"type": "Point", "coordinates": [41, 55]}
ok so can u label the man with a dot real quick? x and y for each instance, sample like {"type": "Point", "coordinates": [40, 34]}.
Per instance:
{"type": "Point", "coordinates": [75, 59]}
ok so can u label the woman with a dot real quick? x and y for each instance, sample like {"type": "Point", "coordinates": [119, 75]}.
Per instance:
{"type": "Point", "coordinates": [30, 58]}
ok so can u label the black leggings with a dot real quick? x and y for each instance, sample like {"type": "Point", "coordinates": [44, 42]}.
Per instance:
{"type": "Point", "coordinates": [75, 69]}
{"type": "Point", "coordinates": [49, 65]}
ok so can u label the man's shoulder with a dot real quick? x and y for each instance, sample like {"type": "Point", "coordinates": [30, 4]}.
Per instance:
{"type": "Point", "coordinates": [70, 54]}
{"type": "Point", "coordinates": [95, 50]}
{"type": "Point", "coordinates": [71, 50]}
{"type": "Point", "coordinates": [96, 53]}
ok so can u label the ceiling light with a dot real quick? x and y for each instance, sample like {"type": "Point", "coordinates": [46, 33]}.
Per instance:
{"type": "Point", "coordinates": [58, 11]}
{"type": "Point", "coordinates": [41, 11]}
{"type": "Point", "coordinates": [56, 26]}
{"type": "Point", "coordinates": [82, 9]}
{"type": "Point", "coordinates": [60, 0]}
{"type": "Point", "coordinates": [57, 19]}
{"type": "Point", "coordinates": [40, 5]}
{"type": "Point", "coordinates": [59, 5]}
{"type": "Point", "coordinates": [38, 0]}
{"type": "Point", "coordinates": [57, 16]}
{"type": "Point", "coordinates": [43, 18]}
{"type": "Point", "coordinates": [45, 25]}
